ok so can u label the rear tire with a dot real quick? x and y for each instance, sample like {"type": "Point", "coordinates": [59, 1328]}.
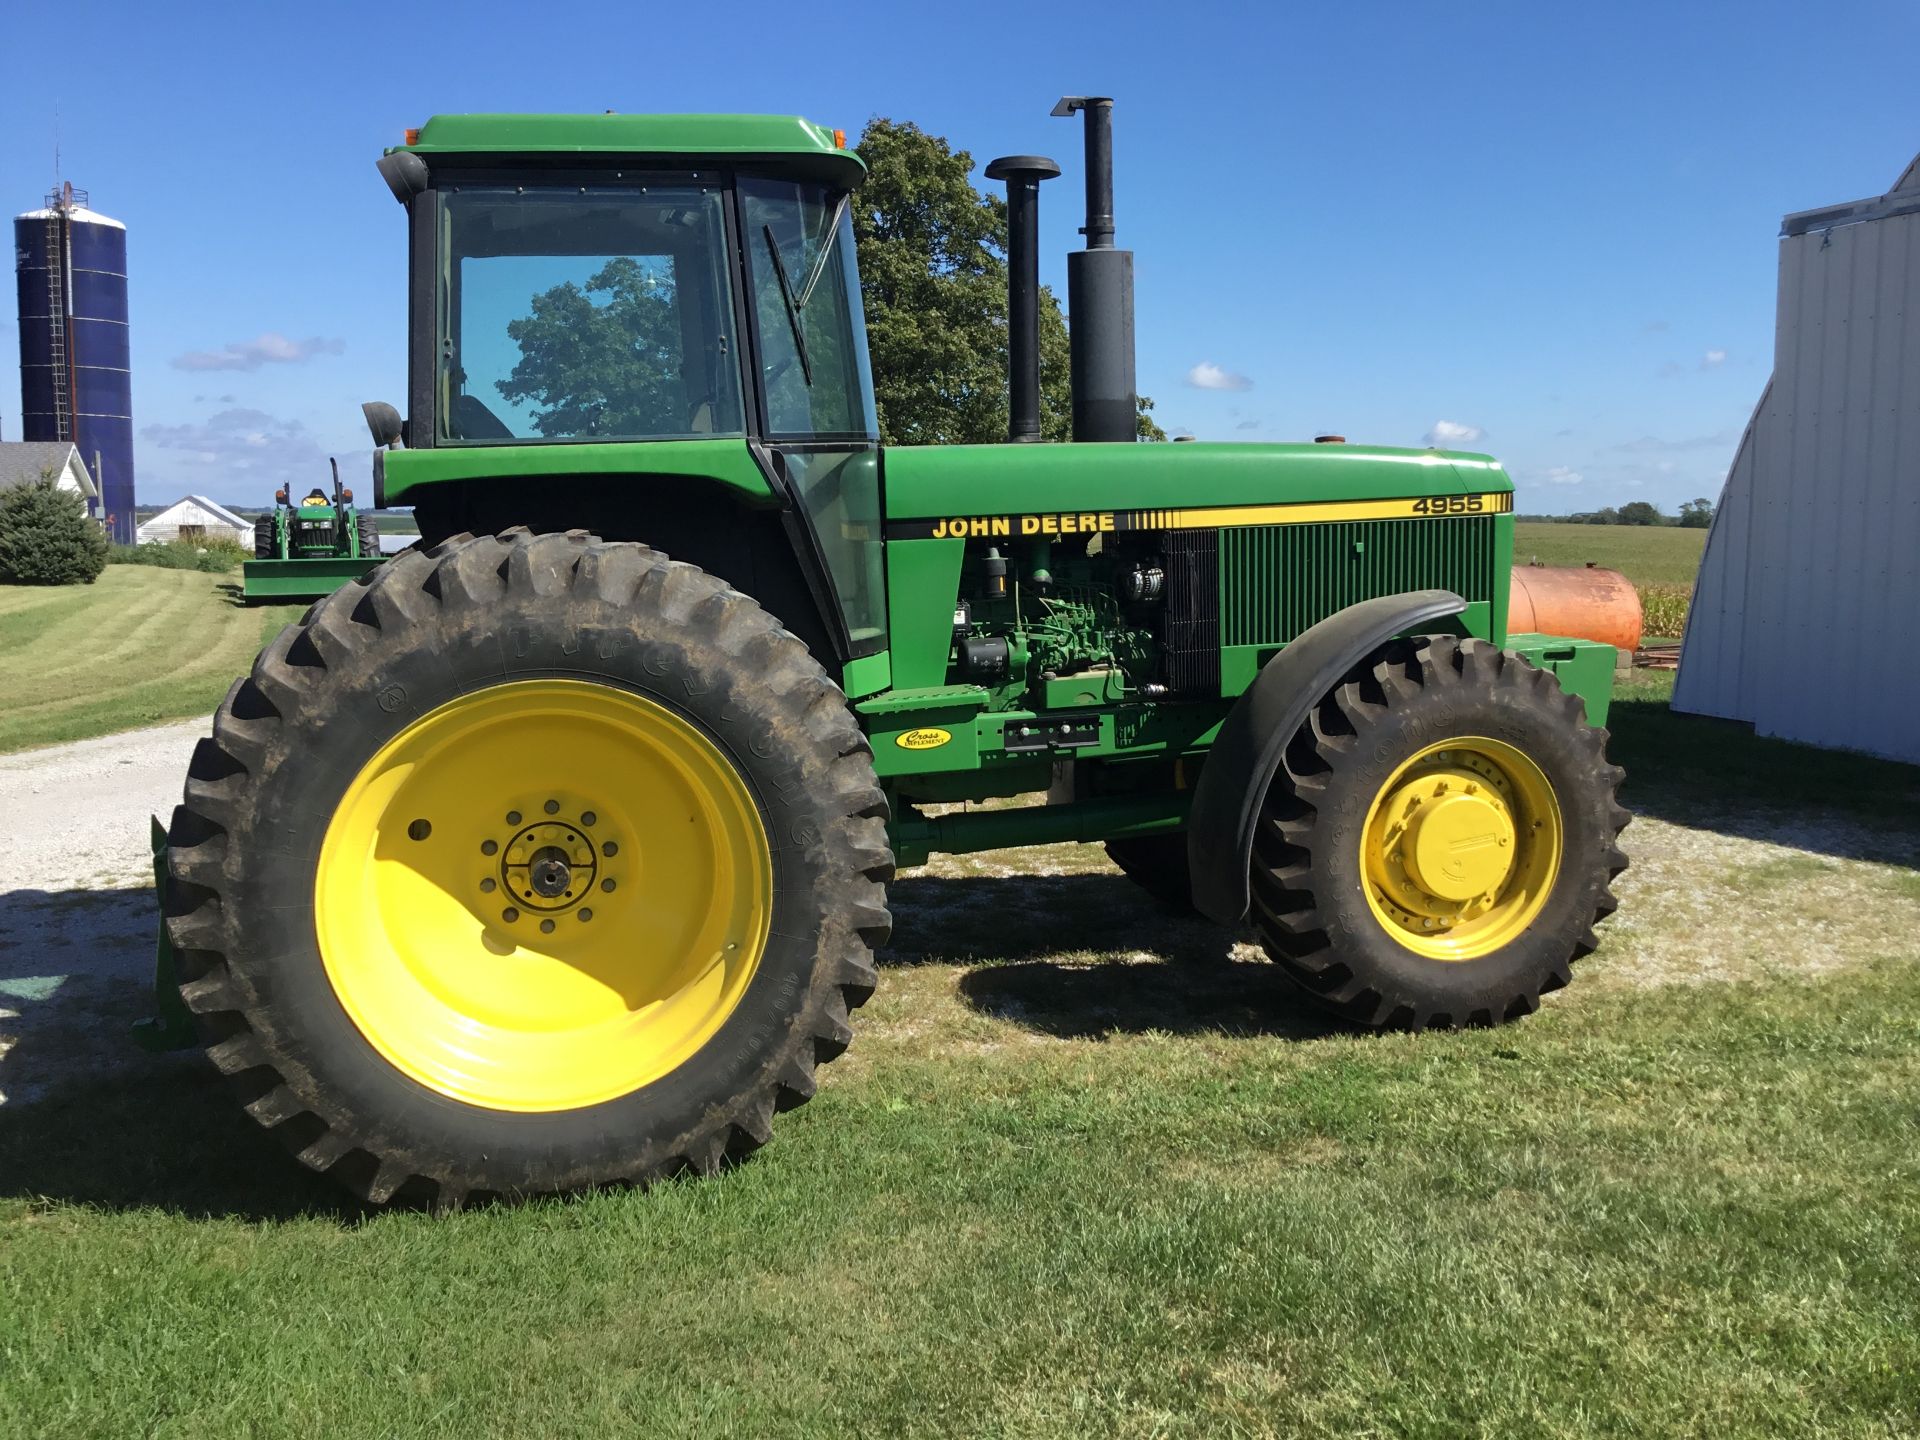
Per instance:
{"type": "Point", "coordinates": [1334, 898]}
{"type": "Point", "coordinates": [463, 626]}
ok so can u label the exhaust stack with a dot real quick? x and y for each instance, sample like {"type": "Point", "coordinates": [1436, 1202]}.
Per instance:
{"type": "Point", "coordinates": [1023, 174]}
{"type": "Point", "coordinates": [1100, 294]}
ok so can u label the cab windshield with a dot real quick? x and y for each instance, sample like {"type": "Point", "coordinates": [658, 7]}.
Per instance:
{"type": "Point", "coordinates": [598, 312]}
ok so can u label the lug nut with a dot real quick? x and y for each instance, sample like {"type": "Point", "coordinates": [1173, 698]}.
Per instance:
{"type": "Point", "coordinates": [587, 817]}
{"type": "Point", "coordinates": [513, 817]}
{"type": "Point", "coordinates": [607, 885]}
{"type": "Point", "coordinates": [509, 914]}
{"type": "Point", "coordinates": [585, 915]}
{"type": "Point", "coordinates": [546, 927]}
{"type": "Point", "coordinates": [552, 807]}
{"type": "Point", "coordinates": [486, 887]}
{"type": "Point", "coordinates": [609, 849]}
{"type": "Point", "coordinates": [488, 847]}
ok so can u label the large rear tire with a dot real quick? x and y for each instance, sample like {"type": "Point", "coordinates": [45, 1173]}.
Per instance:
{"type": "Point", "coordinates": [1440, 841]}
{"type": "Point", "coordinates": [528, 863]}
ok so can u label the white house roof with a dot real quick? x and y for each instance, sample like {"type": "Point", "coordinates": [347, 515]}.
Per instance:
{"type": "Point", "coordinates": [24, 461]}
{"type": "Point", "coordinates": [212, 507]}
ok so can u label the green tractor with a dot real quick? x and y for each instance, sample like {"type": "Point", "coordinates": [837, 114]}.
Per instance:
{"type": "Point", "coordinates": [553, 852]}
{"type": "Point", "coordinates": [305, 551]}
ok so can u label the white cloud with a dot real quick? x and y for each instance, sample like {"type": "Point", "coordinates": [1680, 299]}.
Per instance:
{"type": "Point", "coordinates": [268, 348]}
{"type": "Point", "coordinates": [241, 453]}
{"type": "Point", "coordinates": [1563, 475]}
{"type": "Point", "coordinates": [1446, 434]}
{"type": "Point", "coordinates": [1713, 359]}
{"type": "Point", "coordinates": [1209, 376]}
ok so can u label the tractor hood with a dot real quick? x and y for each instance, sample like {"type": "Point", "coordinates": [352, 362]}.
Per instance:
{"type": "Point", "coordinates": [934, 483]}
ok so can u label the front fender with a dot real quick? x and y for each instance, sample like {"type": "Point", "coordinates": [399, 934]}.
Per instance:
{"type": "Point", "coordinates": [1246, 753]}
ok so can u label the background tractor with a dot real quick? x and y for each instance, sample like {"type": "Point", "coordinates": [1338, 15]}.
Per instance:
{"type": "Point", "coordinates": [553, 852]}
{"type": "Point", "coordinates": [310, 549]}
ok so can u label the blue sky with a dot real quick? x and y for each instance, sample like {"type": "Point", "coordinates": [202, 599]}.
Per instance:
{"type": "Point", "coordinates": [1552, 225]}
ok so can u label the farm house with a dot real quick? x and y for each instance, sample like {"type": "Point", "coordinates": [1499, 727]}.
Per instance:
{"type": "Point", "coordinates": [1812, 547]}
{"type": "Point", "coordinates": [195, 517]}
{"type": "Point", "coordinates": [24, 461]}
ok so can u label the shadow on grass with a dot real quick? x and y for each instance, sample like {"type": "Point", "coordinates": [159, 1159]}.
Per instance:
{"type": "Point", "coordinates": [176, 1140]}
{"type": "Point", "coordinates": [1718, 775]}
{"type": "Point", "coordinates": [1088, 955]}
{"type": "Point", "coordinates": [92, 1119]}
{"type": "Point", "coordinates": [1090, 1002]}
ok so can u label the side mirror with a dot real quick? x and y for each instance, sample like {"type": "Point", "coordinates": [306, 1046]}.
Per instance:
{"type": "Point", "coordinates": [384, 422]}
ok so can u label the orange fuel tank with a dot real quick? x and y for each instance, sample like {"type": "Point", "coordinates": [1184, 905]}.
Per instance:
{"type": "Point", "coordinates": [1587, 603]}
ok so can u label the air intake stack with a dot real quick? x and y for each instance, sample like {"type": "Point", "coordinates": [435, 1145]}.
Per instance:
{"type": "Point", "coordinates": [1100, 294]}
{"type": "Point", "coordinates": [1023, 174]}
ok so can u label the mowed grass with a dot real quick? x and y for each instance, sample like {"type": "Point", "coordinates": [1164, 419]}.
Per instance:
{"type": "Point", "coordinates": [1645, 554]}
{"type": "Point", "coordinates": [138, 646]}
{"type": "Point", "coordinates": [1088, 1169]}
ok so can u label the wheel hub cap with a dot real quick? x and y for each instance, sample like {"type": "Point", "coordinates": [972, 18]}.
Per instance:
{"type": "Point", "coordinates": [1461, 847]}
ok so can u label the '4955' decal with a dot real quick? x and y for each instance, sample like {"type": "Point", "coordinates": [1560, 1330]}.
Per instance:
{"type": "Point", "coordinates": [1450, 505]}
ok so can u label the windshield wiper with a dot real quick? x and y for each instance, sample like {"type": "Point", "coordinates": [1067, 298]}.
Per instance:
{"type": "Point", "coordinates": [826, 252]}
{"type": "Point", "coordinates": [793, 308]}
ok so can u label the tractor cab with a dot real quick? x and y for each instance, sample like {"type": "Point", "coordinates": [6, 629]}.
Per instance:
{"type": "Point", "coordinates": [680, 287]}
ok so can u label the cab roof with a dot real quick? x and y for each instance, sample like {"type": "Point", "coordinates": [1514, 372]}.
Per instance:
{"type": "Point", "coordinates": [787, 141]}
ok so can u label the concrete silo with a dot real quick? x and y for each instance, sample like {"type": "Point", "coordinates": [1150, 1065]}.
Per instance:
{"type": "Point", "coordinates": [75, 378]}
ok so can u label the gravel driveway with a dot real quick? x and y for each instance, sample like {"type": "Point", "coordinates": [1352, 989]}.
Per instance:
{"type": "Point", "coordinates": [76, 900]}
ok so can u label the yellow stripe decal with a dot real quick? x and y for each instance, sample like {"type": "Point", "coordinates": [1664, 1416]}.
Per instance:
{"type": "Point", "coordinates": [1203, 517]}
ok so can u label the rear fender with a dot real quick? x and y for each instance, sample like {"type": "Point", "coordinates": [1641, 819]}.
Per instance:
{"type": "Point", "coordinates": [1246, 754]}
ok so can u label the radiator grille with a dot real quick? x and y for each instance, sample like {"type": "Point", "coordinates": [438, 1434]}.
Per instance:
{"type": "Point", "coordinates": [1191, 654]}
{"type": "Point", "coordinates": [1276, 580]}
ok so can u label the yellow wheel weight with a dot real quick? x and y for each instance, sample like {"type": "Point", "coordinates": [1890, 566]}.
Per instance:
{"type": "Point", "coordinates": [543, 895]}
{"type": "Point", "coordinates": [1461, 848]}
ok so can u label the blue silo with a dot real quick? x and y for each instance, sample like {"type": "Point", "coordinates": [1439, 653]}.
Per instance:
{"type": "Point", "coordinates": [75, 379]}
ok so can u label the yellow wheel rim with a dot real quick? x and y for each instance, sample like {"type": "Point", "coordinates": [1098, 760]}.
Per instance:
{"type": "Point", "coordinates": [1461, 848]}
{"type": "Point", "coordinates": [543, 895]}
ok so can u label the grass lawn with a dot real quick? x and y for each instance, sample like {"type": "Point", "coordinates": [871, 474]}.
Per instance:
{"type": "Point", "coordinates": [1645, 554]}
{"type": "Point", "coordinates": [1087, 1170]}
{"type": "Point", "coordinates": [138, 646]}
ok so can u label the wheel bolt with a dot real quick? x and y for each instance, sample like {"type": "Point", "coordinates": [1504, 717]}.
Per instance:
{"type": "Point", "coordinates": [510, 914]}
{"type": "Point", "coordinates": [587, 817]}
{"type": "Point", "coordinates": [607, 885]}
{"type": "Point", "coordinates": [486, 887]}
{"type": "Point", "coordinates": [609, 848]}
{"type": "Point", "coordinates": [585, 915]}
{"type": "Point", "coordinates": [553, 807]}
{"type": "Point", "coordinates": [488, 847]}
{"type": "Point", "coordinates": [513, 817]}
{"type": "Point", "coordinates": [546, 927]}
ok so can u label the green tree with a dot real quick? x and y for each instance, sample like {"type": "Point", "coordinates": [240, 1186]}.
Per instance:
{"type": "Point", "coordinates": [933, 280]}
{"type": "Point", "coordinates": [1641, 512]}
{"type": "Point", "coordinates": [606, 367]}
{"type": "Point", "coordinates": [46, 537]}
{"type": "Point", "coordinates": [1696, 514]}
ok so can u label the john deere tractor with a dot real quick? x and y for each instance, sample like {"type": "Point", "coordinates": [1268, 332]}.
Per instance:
{"type": "Point", "coordinates": [306, 550]}
{"type": "Point", "coordinates": [554, 851]}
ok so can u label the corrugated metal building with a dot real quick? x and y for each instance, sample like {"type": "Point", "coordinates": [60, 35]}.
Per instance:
{"type": "Point", "coordinates": [1813, 563]}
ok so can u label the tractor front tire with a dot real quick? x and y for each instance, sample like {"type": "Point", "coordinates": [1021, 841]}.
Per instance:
{"type": "Point", "coordinates": [265, 542]}
{"type": "Point", "coordinates": [1440, 841]}
{"type": "Point", "coordinates": [367, 532]}
{"type": "Point", "coordinates": [527, 863]}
